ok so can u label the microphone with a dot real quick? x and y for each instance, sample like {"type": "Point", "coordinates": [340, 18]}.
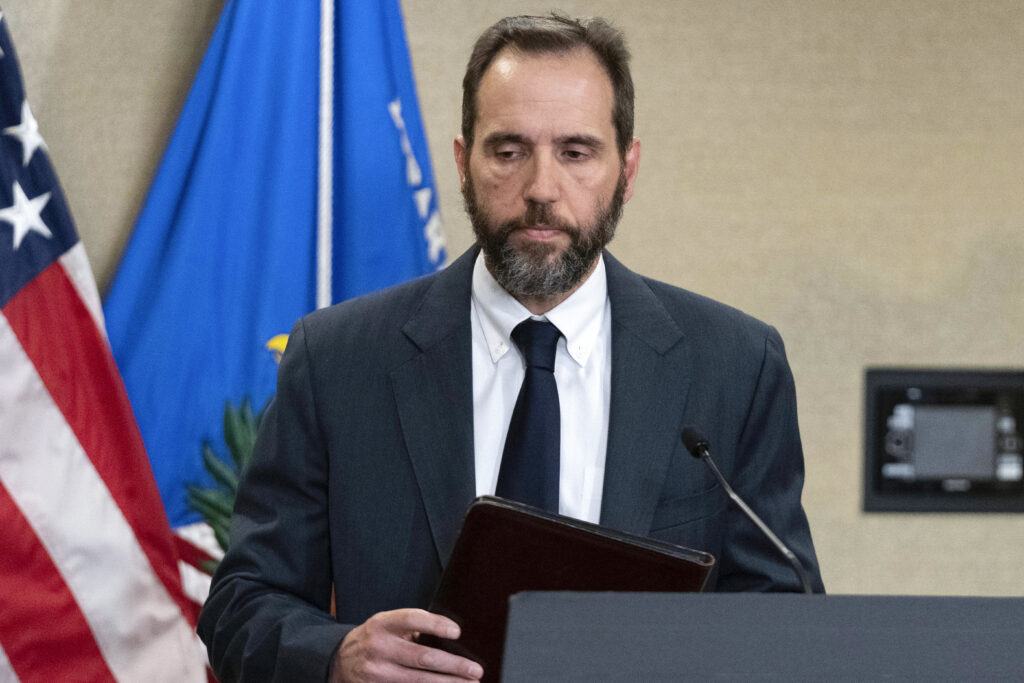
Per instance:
{"type": "Point", "coordinates": [698, 447]}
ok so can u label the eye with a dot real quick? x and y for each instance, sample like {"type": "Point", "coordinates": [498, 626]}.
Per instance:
{"type": "Point", "coordinates": [508, 152]}
{"type": "Point", "coordinates": [576, 154]}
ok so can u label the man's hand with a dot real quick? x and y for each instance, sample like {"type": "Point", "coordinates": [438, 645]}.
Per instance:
{"type": "Point", "coordinates": [382, 649]}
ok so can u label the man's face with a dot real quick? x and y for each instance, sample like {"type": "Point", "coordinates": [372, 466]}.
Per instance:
{"type": "Point", "coordinates": [543, 183]}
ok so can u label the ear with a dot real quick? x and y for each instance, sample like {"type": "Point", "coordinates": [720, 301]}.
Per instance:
{"type": "Point", "coordinates": [631, 167]}
{"type": "Point", "coordinates": [461, 158]}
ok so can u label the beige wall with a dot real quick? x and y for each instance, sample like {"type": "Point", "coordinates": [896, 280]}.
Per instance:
{"type": "Point", "coordinates": [106, 80]}
{"type": "Point", "coordinates": [848, 171]}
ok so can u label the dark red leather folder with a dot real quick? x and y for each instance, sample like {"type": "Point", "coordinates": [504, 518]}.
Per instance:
{"type": "Point", "coordinates": [507, 547]}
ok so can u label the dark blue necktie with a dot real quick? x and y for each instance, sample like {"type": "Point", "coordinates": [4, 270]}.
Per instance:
{"type": "Point", "coordinates": [529, 463]}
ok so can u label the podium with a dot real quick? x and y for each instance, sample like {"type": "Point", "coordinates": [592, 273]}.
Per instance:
{"type": "Point", "coordinates": [566, 636]}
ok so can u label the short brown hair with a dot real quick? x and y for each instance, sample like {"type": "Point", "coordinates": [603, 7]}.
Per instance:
{"type": "Point", "coordinates": [554, 33]}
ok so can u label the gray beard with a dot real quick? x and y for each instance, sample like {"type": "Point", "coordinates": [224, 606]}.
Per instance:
{"type": "Point", "coordinates": [534, 269]}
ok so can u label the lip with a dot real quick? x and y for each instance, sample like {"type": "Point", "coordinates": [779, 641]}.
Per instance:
{"type": "Point", "coordinates": [541, 233]}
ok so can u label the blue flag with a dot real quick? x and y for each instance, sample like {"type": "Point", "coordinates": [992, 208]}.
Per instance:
{"type": "Point", "coordinates": [297, 176]}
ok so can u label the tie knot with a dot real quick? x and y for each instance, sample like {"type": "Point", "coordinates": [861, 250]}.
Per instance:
{"type": "Point", "coordinates": [537, 340]}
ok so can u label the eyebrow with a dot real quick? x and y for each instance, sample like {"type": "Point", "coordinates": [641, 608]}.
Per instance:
{"type": "Point", "coordinates": [585, 140]}
{"type": "Point", "coordinates": [495, 139]}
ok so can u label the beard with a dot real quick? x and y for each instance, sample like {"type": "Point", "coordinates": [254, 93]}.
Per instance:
{"type": "Point", "coordinates": [538, 269]}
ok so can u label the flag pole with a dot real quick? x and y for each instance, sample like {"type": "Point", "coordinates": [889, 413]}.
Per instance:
{"type": "Point", "coordinates": [326, 153]}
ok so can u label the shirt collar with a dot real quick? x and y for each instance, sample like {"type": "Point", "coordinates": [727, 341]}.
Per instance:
{"type": "Point", "coordinates": [578, 318]}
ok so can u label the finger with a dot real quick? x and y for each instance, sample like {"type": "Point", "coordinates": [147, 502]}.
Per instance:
{"type": "Point", "coordinates": [416, 656]}
{"type": "Point", "coordinates": [410, 622]}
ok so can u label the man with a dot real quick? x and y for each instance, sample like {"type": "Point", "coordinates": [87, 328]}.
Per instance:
{"type": "Point", "coordinates": [393, 410]}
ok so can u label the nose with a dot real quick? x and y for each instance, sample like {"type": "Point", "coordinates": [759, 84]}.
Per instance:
{"type": "Point", "coordinates": [542, 186]}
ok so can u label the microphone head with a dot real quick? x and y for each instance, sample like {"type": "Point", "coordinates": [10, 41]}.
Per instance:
{"type": "Point", "coordinates": [695, 442]}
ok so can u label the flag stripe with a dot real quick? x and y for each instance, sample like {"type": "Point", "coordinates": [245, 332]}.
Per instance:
{"type": "Point", "coordinates": [30, 585]}
{"type": "Point", "coordinates": [192, 554]}
{"type": "Point", "coordinates": [196, 546]}
{"type": "Point", "coordinates": [65, 400]}
{"type": "Point", "coordinates": [76, 265]}
{"type": "Point", "coordinates": [7, 674]}
{"type": "Point", "coordinates": [79, 372]}
{"type": "Point", "coordinates": [195, 582]}
{"type": "Point", "coordinates": [89, 583]}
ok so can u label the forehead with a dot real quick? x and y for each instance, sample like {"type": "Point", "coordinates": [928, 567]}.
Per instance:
{"type": "Point", "coordinates": [558, 93]}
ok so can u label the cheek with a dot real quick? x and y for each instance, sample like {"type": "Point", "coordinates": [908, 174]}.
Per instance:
{"type": "Point", "coordinates": [596, 182]}
{"type": "Point", "coordinates": [497, 190]}
{"type": "Point", "coordinates": [599, 192]}
{"type": "Point", "coordinates": [500, 182]}
{"type": "Point", "coordinates": [587, 193]}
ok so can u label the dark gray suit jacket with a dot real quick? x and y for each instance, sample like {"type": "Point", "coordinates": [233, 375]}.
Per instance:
{"type": "Point", "coordinates": [364, 465]}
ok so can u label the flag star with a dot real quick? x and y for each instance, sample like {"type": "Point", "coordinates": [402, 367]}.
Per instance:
{"type": "Point", "coordinates": [23, 215]}
{"type": "Point", "coordinates": [27, 133]}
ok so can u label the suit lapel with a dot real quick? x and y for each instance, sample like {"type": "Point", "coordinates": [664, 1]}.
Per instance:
{"type": "Point", "coordinates": [433, 393]}
{"type": "Point", "coordinates": [649, 356]}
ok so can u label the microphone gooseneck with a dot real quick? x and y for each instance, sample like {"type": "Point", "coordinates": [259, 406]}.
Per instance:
{"type": "Point", "coordinates": [698, 447]}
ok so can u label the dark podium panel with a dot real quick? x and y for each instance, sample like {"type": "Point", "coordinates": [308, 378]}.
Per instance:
{"type": "Point", "coordinates": [767, 637]}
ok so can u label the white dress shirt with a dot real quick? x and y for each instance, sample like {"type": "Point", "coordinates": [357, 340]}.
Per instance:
{"type": "Point", "coordinates": [582, 373]}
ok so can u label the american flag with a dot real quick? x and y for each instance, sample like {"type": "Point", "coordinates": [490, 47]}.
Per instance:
{"type": "Point", "coordinates": [90, 587]}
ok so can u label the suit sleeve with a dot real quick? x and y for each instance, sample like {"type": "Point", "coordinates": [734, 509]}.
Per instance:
{"type": "Point", "coordinates": [769, 475]}
{"type": "Point", "coordinates": [267, 617]}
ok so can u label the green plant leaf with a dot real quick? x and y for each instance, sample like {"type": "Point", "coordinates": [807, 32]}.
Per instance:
{"type": "Point", "coordinates": [222, 473]}
{"type": "Point", "coordinates": [212, 504]}
{"type": "Point", "coordinates": [232, 429]}
{"type": "Point", "coordinates": [240, 428]}
{"type": "Point", "coordinates": [215, 504]}
{"type": "Point", "coordinates": [220, 532]}
{"type": "Point", "coordinates": [247, 415]}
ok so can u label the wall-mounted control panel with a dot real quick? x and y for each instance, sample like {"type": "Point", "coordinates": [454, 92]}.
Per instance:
{"type": "Point", "coordinates": [943, 440]}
